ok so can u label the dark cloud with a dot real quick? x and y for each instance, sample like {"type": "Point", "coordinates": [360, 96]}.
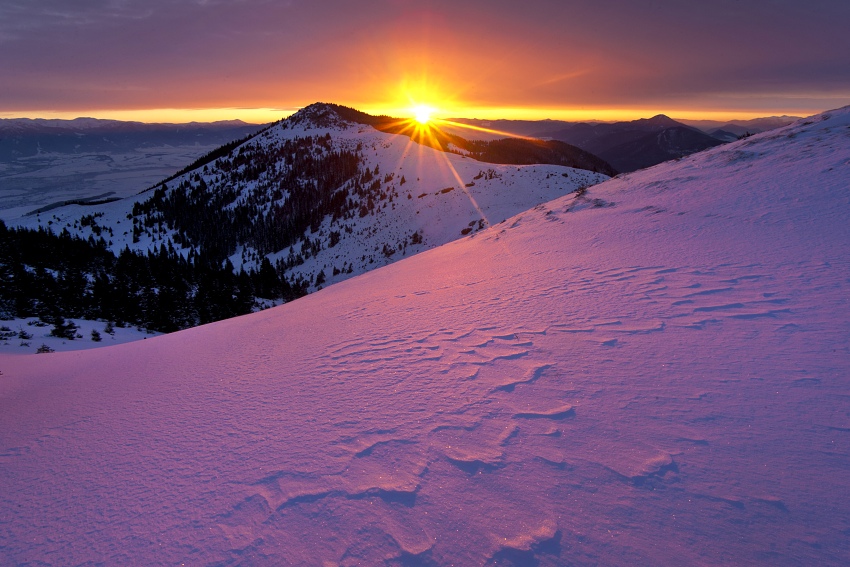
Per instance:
{"type": "Point", "coordinates": [20, 18]}
{"type": "Point", "coordinates": [67, 54]}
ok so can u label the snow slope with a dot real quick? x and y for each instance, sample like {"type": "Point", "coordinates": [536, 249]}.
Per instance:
{"type": "Point", "coordinates": [652, 373]}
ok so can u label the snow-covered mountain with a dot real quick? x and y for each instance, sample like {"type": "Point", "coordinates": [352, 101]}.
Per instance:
{"type": "Point", "coordinates": [660, 380]}
{"type": "Point", "coordinates": [322, 196]}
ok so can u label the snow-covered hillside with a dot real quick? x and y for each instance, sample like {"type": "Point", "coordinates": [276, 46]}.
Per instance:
{"type": "Point", "coordinates": [353, 199]}
{"type": "Point", "coordinates": [652, 372]}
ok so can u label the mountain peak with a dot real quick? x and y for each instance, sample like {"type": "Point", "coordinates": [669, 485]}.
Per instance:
{"type": "Point", "coordinates": [319, 115]}
{"type": "Point", "coordinates": [661, 120]}
{"type": "Point", "coordinates": [329, 115]}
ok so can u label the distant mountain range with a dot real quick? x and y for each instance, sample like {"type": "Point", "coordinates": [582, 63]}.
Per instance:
{"type": "Point", "coordinates": [25, 137]}
{"type": "Point", "coordinates": [741, 127]}
{"type": "Point", "coordinates": [632, 145]}
{"type": "Point", "coordinates": [629, 146]}
{"type": "Point", "coordinates": [44, 162]}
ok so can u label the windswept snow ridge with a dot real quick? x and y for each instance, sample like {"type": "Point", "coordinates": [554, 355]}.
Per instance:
{"type": "Point", "coordinates": [649, 372]}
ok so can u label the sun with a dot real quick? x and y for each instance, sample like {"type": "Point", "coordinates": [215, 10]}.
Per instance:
{"type": "Point", "coordinates": [422, 113]}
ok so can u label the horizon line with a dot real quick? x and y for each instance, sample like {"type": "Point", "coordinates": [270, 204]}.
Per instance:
{"type": "Point", "coordinates": [266, 115]}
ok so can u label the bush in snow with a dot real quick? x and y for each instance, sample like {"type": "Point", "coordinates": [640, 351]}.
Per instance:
{"type": "Point", "coordinates": [64, 329]}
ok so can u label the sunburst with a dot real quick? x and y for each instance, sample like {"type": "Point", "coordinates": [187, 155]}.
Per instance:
{"type": "Point", "coordinates": [423, 113]}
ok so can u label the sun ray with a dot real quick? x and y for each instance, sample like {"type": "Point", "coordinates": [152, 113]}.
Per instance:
{"type": "Point", "coordinates": [423, 128]}
{"type": "Point", "coordinates": [483, 129]}
{"type": "Point", "coordinates": [426, 133]}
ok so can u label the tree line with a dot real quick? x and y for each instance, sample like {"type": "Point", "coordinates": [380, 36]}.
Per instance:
{"type": "Point", "coordinates": [54, 277]}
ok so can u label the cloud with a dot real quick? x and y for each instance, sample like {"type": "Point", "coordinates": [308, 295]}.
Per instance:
{"type": "Point", "coordinates": [28, 16]}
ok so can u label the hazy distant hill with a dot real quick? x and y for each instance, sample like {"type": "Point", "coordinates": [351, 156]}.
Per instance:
{"type": "Point", "coordinates": [658, 147]}
{"type": "Point", "coordinates": [626, 146]}
{"type": "Point", "coordinates": [24, 137]}
{"type": "Point", "coordinates": [723, 135]}
{"type": "Point", "coordinates": [44, 162]}
{"type": "Point", "coordinates": [741, 127]}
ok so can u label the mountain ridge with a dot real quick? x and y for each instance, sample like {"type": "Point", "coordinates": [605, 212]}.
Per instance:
{"type": "Point", "coordinates": [636, 144]}
{"type": "Point", "coordinates": [502, 151]}
{"type": "Point", "coordinates": [306, 202]}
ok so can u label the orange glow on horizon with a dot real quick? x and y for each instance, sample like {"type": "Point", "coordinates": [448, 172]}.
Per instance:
{"type": "Point", "coordinates": [162, 115]}
{"type": "Point", "coordinates": [445, 112]}
{"type": "Point", "coordinates": [448, 112]}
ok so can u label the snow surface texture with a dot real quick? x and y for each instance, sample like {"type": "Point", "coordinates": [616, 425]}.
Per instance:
{"type": "Point", "coordinates": [652, 373]}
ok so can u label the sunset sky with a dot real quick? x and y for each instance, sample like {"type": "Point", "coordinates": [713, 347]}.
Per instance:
{"type": "Point", "coordinates": [259, 60]}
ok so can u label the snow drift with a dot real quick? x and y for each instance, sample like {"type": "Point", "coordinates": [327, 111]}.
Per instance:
{"type": "Point", "coordinates": [654, 371]}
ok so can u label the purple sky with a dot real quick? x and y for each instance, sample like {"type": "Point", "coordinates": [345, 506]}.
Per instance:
{"type": "Point", "coordinates": [754, 56]}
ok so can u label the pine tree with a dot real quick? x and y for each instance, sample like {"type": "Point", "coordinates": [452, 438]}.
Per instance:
{"type": "Point", "coordinates": [63, 329]}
